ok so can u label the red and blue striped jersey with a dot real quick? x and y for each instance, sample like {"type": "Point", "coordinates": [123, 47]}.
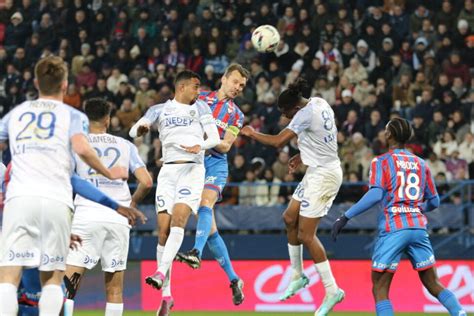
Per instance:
{"type": "Point", "coordinates": [407, 183]}
{"type": "Point", "coordinates": [225, 112]}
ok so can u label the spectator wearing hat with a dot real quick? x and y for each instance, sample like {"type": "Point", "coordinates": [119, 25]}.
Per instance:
{"type": "Point", "coordinates": [467, 13]}
{"type": "Point", "coordinates": [365, 55]}
{"type": "Point", "coordinates": [346, 105]}
{"type": "Point", "coordinates": [460, 34]}
{"type": "Point", "coordinates": [455, 68]}
{"type": "Point", "coordinates": [16, 33]}
{"type": "Point", "coordinates": [421, 48]}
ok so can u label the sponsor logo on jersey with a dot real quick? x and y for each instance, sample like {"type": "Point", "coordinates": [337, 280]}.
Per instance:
{"type": "Point", "coordinates": [405, 209]}
{"type": "Point", "coordinates": [178, 121]}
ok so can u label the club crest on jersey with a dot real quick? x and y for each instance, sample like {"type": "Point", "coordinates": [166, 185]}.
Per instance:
{"type": "Point", "coordinates": [192, 113]}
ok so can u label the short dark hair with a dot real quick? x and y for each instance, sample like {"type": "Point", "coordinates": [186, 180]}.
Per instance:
{"type": "Point", "coordinates": [97, 109]}
{"type": "Point", "coordinates": [400, 129]}
{"type": "Point", "coordinates": [290, 97]}
{"type": "Point", "coordinates": [186, 75]}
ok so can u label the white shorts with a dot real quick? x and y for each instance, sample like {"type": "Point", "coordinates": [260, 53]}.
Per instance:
{"type": "Point", "coordinates": [36, 233]}
{"type": "Point", "coordinates": [179, 183]}
{"type": "Point", "coordinates": [317, 191]}
{"type": "Point", "coordinates": [104, 241]}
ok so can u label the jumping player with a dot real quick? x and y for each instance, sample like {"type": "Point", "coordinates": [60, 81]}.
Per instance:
{"type": "Point", "coordinates": [182, 123]}
{"type": "Point", "coordinates": [312, 121]}
{"type": "Point", "coordinates": [405, 186]}
{"type": "Point", "coordinates": [229, 120]}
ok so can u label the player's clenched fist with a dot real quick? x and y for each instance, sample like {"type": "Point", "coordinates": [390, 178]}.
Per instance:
{"type": "Point", "coordinates": [247, 131]}
{"type": "Point", "coordinates": [142, 130]}
{"type": "Point", "coordinates": [132, 214]}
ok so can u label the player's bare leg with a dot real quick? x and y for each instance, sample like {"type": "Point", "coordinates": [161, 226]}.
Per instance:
{"type": "Point", "coordinates": [181, 212]}
{"type": "Point", "coordinates": [430, 280]}
{"type": "Point", "coordinates": [307, 228]}
{"type": "Point", "coordinates": [381, 282]}
{"type": "Point", "coordinates": [114, 293]}
{"type": "Point", "coordinates": [295, 249]}
{"type": "Point", "coordinates": [9, 280]}
{"type": "Point", "coordinates": [164, 223]}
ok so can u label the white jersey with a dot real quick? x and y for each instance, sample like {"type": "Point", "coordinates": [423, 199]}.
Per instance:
{"type": "Point", "coordinates": [180, 124]}
{"type": "Point", "coordinates": [39, 134]}
{"type": "Point", "coordinates": [317, 132]}
{"type": "Point", "coordinates": [112, 151]}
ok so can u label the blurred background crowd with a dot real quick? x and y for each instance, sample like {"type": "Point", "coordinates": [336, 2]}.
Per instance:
{"type": "Point", "coordinates": [371, 60]}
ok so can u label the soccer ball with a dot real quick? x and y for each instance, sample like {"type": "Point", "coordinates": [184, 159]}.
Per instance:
{"type": "Point", "coordinates": [265, 38]}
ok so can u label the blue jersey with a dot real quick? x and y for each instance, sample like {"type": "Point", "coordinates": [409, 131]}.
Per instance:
{"type": "Point", "coordinates": [407, 184]}
{"type": "Point", "coordinates": [227, 115]}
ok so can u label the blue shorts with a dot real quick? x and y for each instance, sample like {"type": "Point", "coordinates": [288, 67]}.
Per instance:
{"type": "Point", "coordinates": [390, 247]}
{"type": "Point", "coordinates": [216, 173]}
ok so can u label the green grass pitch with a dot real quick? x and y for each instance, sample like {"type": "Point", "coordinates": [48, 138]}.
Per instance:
{"type": "Point", "coordinates": [139, 313]}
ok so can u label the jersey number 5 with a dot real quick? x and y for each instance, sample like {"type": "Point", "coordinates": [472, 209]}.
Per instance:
{"type": "Point", "coordinates": [409, 187]}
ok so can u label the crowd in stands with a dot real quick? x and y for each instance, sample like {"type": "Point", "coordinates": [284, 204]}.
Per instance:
{"type": "Point", "coordinates": [371, 60]}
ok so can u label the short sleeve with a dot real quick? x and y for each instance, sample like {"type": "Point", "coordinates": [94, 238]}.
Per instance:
{"type": "Point", "coordinates": [79, 124]}
{"type": "Point", "coordinates": [4, 127]}
{"type": "Point", "coordinates": [376, 174]}
{"type": "Point", "coordinates": [302, 120]}
{"type": "Point", "coordinates": [430, 187]}
{"type": "Point", "coordinates": [135, 160]}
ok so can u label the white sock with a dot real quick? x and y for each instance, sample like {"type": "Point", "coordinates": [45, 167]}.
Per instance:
{"type": "Point", "coordinates": [175, 239]}
{"type": "Point", "coordinates": [68, 307]}
{"type": "Point", "coordinates": [51, 300]}
{"type": "Point", "coordinates": [167, 284]}
{"type": "Point", "coordinates": [8, 299]}
{"type": "Point", "coordinates": [296, 259]}
{"type": "Point", "coordinates": [159, 254]}
{"type": "Point", "coordinates": [325, 272]}
{"type": "Point", "coordinates": [113, 309]}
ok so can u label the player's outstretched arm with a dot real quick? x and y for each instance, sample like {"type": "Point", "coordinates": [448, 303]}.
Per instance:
{"type": "Point", "coordinates": [277, 141]}
{"type": "Point", "coordinates": [145, 183]}
{"type": "Point", "coordinates": [229, 138]}
{"type": "Point", "coordinates": [372, 197]}
{"type": "Point", "coordinates": [140, 128]}
{"type": "Point", "coordinates": [84, 150]}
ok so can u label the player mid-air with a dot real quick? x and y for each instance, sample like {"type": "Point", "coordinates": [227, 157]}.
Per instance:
{"type": "Point", "coordinates": [105, 234]}
{"type": "Point", "coordinates": [405, 186]}
{"type": "Point", "coordinates": [183, 124]}
{"type": "Point", "coordinates": [38, 208]}
{"type": "Point", "coordinates": [229, 120]}
{"type": "Point", "coordinates": [312, 121]}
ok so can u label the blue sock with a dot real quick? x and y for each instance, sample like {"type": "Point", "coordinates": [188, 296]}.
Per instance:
{"type": "Point", "coordinates": [203, 227]}
{"type": "Point", "coordinates": [219, 250]}
{"type": "Point", "coordinates": [447, 298]}
{"type": "Point", "coordinates": [384, 308]}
